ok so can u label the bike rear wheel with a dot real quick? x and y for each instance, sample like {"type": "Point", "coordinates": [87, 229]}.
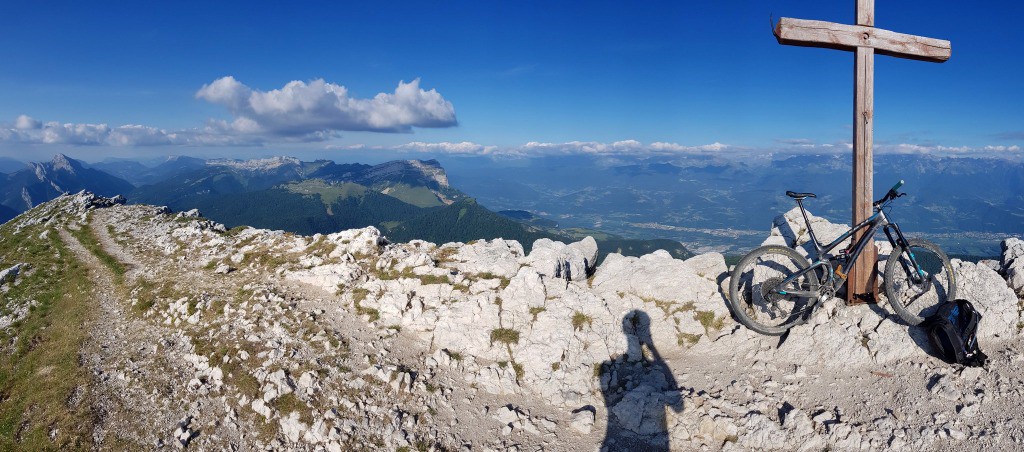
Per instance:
{"type": "Point", "coordinates": [754, 290]}
{"type": "Point", "coordinates": [914, 299]}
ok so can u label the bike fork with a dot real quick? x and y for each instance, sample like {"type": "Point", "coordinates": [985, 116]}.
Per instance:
{"type": "Point", "coordinates": [900, 244]}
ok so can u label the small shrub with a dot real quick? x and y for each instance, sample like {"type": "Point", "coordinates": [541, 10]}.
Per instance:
{"type": "Point", "coordinates": [555, 366]}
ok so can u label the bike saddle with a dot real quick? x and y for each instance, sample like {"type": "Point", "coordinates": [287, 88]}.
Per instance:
{"type": "Point", "coordinates": [795, 195]}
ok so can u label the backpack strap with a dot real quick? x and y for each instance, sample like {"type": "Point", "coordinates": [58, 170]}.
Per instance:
{"type": "Point", "coordinates": [977, 359]}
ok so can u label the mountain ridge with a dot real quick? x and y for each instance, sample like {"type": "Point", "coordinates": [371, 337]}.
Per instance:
{"type": "Point", "coordinates": [258, 339]}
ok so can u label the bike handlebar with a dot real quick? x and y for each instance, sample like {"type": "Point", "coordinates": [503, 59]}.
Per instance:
{"type": "Point", "coordinates": [891, 194]}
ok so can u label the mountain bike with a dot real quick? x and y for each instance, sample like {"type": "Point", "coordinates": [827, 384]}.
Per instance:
{"type": "Point", "coordinates": [775, 288]}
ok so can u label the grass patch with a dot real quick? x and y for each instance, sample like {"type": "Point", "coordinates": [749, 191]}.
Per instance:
{"type": "Point", "coordinates": [434, 279]}
{"type": "Point", "coordinates": [505, 336]}
{"type": "Point", "coordinates": [235, 230]}
{"type": "Point", "coordinates": [42, 386]}
{"type": "Point", "coordinates": [288, 403]}
{"type": "Point", "coordinates": [518, 368]}
{"type": "Point", "coordinates": [358, 295]}
{"type": "Point", "coordinates": [555, 366]}
{"type": "Point", "coordinates": [453, 355]}
{"type": "Point", "coordinates": [579, 319]}
{"type": "Point", "coordinates": [709, 321]}
{"type": "Point", "coordinates": [446, 255]}
{"type": "Point", "coordinates": [536, 310]}
{"type": "Point", "coordinates": [503, 281]}
{"type": "Point", "coordinates": [147, 293]}
{"type": "Point", "coordinates": [386, 275]}
{"type": "Point", "coordinates": [686, 339]}
{"type": "Point", "coordinates": [373, 314]}
{"type": "Point", "coordinates": [669, 307]}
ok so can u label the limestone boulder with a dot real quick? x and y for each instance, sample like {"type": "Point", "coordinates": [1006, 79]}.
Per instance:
{"type": "Point", "coordinates": [1013, 263]}
{"type": "Point", "coordinates": [664, 281]}
{"type": "Point", "coordinates": [496, 257]}
{"type": "Point", "coordinates": [572, 262]}
{"type": "Point", "coordinates": [986, 290]}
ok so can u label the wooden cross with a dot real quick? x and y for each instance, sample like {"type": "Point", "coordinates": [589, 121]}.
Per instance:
{"type": "Point", "coordinates": [865, 40]}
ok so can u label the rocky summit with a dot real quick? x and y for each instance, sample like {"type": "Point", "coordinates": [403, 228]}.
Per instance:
{"type": "Point", "coordinates": [178, 333]}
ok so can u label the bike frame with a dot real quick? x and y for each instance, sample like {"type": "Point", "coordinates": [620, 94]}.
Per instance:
{"type": "Point", "coordinates": [872, 224]}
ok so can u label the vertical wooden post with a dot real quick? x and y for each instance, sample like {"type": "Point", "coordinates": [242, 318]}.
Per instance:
{"type": "Point", "coordinates": [863, 284]}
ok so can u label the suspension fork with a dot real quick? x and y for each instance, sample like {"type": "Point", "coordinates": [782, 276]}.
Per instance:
{"type": "Point", "coordinates": [900, 244]}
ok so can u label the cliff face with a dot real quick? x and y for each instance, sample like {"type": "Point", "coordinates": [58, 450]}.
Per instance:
{"type": "Point", "coordinates": [209, 338]}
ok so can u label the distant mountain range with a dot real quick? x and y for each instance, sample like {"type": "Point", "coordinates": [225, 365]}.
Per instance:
{"type": "Point", "coordinates": [409, 199]}
{"type": "Point", "coordinates": [710, 202]}
{"type": "Point", "coordinates": [706, 202]}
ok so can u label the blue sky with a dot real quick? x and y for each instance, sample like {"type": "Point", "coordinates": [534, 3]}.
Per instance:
{"type": "Point", "coordinates": [492, 77]}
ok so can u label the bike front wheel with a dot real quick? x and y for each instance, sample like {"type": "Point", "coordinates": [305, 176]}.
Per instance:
{"type": "Point", "coordinates": [759, 295]}
{"type": "Point", "coordinates": [915, 292]}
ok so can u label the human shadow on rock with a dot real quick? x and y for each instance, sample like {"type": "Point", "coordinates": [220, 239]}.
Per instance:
{"type": "Point", "coordinates": [637, 387]}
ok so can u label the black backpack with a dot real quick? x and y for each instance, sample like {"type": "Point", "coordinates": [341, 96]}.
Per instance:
{"type": "Point", "coordinates": [953, 332]}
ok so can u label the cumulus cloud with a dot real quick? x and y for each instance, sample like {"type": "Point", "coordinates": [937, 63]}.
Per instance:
{"type": "Point", "coordinates": [301, 108]}
{"type": "Point", "coordinates": [25, 122]}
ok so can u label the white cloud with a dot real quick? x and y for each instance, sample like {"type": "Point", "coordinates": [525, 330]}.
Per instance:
{"type": "Point", "coordinates": [465, 148]}
{"type": "Point", "coordinates": [31, 131]}
{"type": "Point", "coordinates": [534, 148]}
{"type": "Point", "coordinates": [301, 108]}
{"type": "Point", "coordinates": [26, 122]}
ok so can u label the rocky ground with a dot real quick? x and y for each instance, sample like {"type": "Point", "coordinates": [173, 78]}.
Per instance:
{"type": "Point", "coordinates": [204, 338]}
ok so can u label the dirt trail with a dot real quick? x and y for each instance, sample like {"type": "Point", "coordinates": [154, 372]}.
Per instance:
{"type": "Point", "coordinates": [136, 381]}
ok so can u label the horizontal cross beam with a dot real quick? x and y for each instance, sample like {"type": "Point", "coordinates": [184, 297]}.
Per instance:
{"type": "Point", "coordinates": [816, 33]}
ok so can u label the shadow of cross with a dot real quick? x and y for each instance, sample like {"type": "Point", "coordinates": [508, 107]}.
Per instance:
{"type": "Point", "coordinates": [864, 40]}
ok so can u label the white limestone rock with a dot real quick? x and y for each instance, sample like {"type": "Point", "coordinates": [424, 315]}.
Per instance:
{"type": "Point", "coordinates": [573, 262]}
{"type": "Point", "coordinates": [366, 241]}
{"type": "Point", "coordinates": [996, 302]}
{"type": "Point", "coordinates": [1013, 263]}
{"type": "Point", "coordinates": [583, 420]}
{"type": "Point", "coordinates": [327, 277]}
{"type": "Point", "coordinates": [660, 278]}
{"type": "Point", "coordinates": [9, 274]}
{"type": "Point", "coordinates": [497, 257]}
{"type": "Point", "coordinates": [291, 427]}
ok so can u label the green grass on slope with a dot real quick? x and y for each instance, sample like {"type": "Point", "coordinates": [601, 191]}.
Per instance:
{"type": "Point", "coordinates": [88, 239]}
{"type": "Point", "coordinates": [417, 196]}
{"type": "Point", "coordinates": [44, 391]}
{"type": "Point", "coordinates": [329, 193]}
